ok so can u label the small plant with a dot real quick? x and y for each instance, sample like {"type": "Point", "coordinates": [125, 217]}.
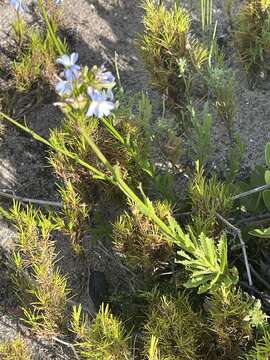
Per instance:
{"type": "Point", "coordinates": [140, 240]}
{"type": "Point", "coordinates": [236, 156]}
{"type": "Point", "coordinates": [252, 36]}
{"type": "Point", "coordinates": [38, 48]}
{"type": "Point", "coordinates": [208, 197]}
{"type": "Point", "coordinates": [39, 284]}
{"type": "Point", "coordinates": [220, 82]}
{"type": "Point", "coordinates": [103, 338]}
{"type": "Point", "coordinates": [172, 55]}
{"type": "Point", "coordinates": [176, 327]}
{"type": "Point", "coordinates": [234, 317]}
{"type": "Point", "coordinates": [166, 136]}
{"type": "Point", "coordinates": [16, 349]}
{"type": "Point", "coordinates": [36, 62]}
{"type": "Point", "coordinates": [200, 137]}
{"type": "Point", "coordinates": [261, 351]}
{"type": "Point", "coordinates": [19, 29]}
{"type": "Point", "coordinates": [73, 218]}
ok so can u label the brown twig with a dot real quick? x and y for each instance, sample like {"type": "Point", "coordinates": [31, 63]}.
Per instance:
{"type": "Point", "coordinates": [243, 245]}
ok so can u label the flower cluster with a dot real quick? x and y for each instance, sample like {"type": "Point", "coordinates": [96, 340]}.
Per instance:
{"type": "Point", "coordinates": [95, 86]}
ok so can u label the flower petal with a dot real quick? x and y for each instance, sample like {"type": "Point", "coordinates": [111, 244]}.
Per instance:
{"type": "Point", "coordinates": [63, 60]}
{"type": "Point", "coordinates": [74, 58]}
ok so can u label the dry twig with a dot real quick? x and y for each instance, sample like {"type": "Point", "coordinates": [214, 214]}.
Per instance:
{"type": "Point", "coordinates": [243, 245]}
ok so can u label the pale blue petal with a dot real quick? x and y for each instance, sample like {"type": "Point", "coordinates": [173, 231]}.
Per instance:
{"type": "Point", "coordinates": [74, 58]}
{"type": "Point", "coordinates": [91, 110]}
{"type": "Point", "coordinates": [110, 94]}
{"type": "Point", "coordinates": [63, 60]}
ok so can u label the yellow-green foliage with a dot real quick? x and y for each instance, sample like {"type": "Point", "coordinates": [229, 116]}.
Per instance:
{"type": "Point", "coordinates": [176, 327]}
{"type": "Point", "coordinates": [73, 218]}
{"type": "Point", "coordinates": [36, 62]}
{"type": "Point", "coordinates": [221, 83]}
{"type": "Point", "coordinates": [127, 153]}
{"type": "Point", "coordinates": [55, 13]}
{"type": "Point", "coordinates": [20, 30]}
{"type": "Point", "coordinates": [40, 286]}
{"type": "Point", "coordinates": [252, 35]}
{"type": "Point", "coordinates": [208, 197]}
{"type": "Point", "coordinates": [261, 351]}
{"type": "Point", "coordinates": [141, 242]}
{"type": "Point", "coordinates": [103, 339]}
{"type": "Point", "coordinates": [172, 55]}
{"type": "Point", "coordinates": [233, 318]}
{"type": "Point", "coordinates": [15, 349]}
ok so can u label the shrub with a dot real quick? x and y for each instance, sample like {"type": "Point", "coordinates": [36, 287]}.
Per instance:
{"type": "Point", "coordinates": [252, 35]}
{"type": "Point", "coordinates": [127, 154]}
{"type": "Point", "coordinates": [208, 197]}
{"type": "Point", "coordinates": [39, 284]}
{"type": "Point", "coordinates": [172, 55]}
{"type": "Point", "coordinates": [36, 62]}
{"type": "Point", "coordinates": [176, 327]}
{"type": "Point", "coordinates": [15, 349]}
{"type": "Point", "coordinates": [220, 82]}
{"type": "Point", "coordinates": [233, 317]}
{"type": "Point", "coordinates": [141, 242]}
{"type": "Point", "coordinates": [103, 339]}
{"type": "Point", "coordinates": [261, 351]}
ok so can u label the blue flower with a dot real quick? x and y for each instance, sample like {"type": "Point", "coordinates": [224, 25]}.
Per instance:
{"type": "Point", "coordinates": [58, 2]}
{"type": "Point", "coordinates": [64, 87]}
{"type": "Point", "coordinates": [100, 105]}
{"type": "Point", "coordinates": [71, 68]}
{"type": "Point", "coordinates": [105, 77]}
{"type": "Point", "coordinates": [19, 5]}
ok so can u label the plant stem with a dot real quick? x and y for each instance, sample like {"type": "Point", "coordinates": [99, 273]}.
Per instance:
{"type": "Point", "coordinates": [243, 245]}
{"type": "Point", "coordinates": [250, 192]}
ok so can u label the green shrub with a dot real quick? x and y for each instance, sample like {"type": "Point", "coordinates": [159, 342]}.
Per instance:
{"type": "Point", "coordinates": [233, 317]}
{"type": "Point", "coordinates": [208, 197]}
{"type": "Point", "coordinates": [176, 327]}
{"type": "Point", "coordinates": [141, 242]}
{"type": "Point", "coordinates": [220, 82]}
{"type": "Point", "coordinates": [252, 35]}
{"type": "Point", "coordinates": [172, 55]}
{"type": "Point", "coordinates": [103, 339]}
{"type": "Point", "coordinates": [261, 351]}
{"type": "Point", "coordinates": [15, 349]}
{"type": "Point", "coordinates": [36, 62]}
{"type": "Point", "coordinates": [127, 153]}
{"type": "Point", "coordinates": [39, 284]}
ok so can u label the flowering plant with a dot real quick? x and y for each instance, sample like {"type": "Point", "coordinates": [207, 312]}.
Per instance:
{"type": "Point", "coordinates": [86, 91]}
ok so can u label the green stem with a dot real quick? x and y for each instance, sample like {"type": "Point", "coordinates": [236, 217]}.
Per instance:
{"type": "Point", "coordinates": [63, 151]}
{"type": "Point", "coordinates": [60, 46]}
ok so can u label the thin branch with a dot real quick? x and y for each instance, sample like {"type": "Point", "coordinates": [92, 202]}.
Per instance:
{"type": "Point", "coordinates": [28, 200]}
{"type": "Point", "coordinates": [243, 245]}
{"type": "Point", "coordinates": [71, 346]}
{"type": "Point", "coordinates": [250, 192]}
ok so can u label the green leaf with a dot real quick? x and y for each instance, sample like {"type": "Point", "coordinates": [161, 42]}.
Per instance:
{"type": "Point", "coordinates": [261, 233]}
{"type": "Point", "coordinates": [257, 176]}
{"type": "Point", "coordinates": [267, 177]}
{"type": "Point", "coordinates": [266, 198]}
{"type": "Point", "coordinates": [222, 248]}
